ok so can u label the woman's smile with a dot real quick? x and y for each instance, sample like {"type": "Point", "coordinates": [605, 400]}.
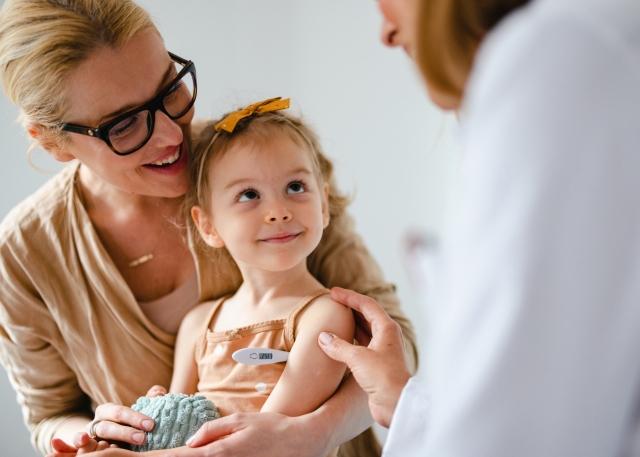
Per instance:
{"type": "Point", "coordinates": [172, 163]}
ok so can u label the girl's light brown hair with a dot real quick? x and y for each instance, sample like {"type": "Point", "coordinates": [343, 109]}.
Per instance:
{"type": "Point", "coordinates": [448, 35]}
{"type": "Point", "coordinates": [212, 144]}
{"type": "Point", "coordinates": [43, 41]}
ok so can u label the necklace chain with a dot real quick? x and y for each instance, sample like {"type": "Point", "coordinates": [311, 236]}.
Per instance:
{"type": "Point", "coordinates": [140, 260]}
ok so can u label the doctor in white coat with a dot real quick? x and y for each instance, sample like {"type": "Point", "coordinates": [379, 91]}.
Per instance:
{"type": "Point", "coordinates": [535, 341]}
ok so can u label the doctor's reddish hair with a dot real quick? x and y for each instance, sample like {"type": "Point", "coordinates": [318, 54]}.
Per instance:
{"type": "Point", "coordinates": [449, 33]}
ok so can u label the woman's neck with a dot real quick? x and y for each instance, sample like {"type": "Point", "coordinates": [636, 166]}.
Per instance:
{"type": "Point", "coordinates": [262, 287]}
{"type": "Point", "coordinates": [101, 198]}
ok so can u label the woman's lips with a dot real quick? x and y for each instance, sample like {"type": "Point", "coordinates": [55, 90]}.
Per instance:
{"type": "Point", "coordinates": [173, 165]}
{"type": "Point", "coordinates": [169, 159]}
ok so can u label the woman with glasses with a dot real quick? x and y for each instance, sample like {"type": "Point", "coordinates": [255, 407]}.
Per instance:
{"type": "Point", "coordinates": [96, 274]}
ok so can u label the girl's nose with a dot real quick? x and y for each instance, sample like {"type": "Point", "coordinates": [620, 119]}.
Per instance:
{"type": "Point", "coordinates": [278, 215]}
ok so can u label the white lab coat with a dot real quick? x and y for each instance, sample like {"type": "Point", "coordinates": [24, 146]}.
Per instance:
{"type": "Point", "coordinates": [535, 341]}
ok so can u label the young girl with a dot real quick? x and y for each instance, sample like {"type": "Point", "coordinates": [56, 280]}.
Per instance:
{"type": "Point", "coordinates": [261, 195]}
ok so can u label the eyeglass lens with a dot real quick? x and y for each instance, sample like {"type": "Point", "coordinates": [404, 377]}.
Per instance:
{"type": "Point", "coordinates": [132, 132]}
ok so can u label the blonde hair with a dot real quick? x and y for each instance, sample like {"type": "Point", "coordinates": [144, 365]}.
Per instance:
{"type": "Point", "coordinates": [212, 144]}
{"type": "Point", "coordinates": [43, 41]}
{"type": "Point", "coordinates": [448, 35]}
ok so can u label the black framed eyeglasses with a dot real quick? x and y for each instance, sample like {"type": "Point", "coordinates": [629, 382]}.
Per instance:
{"type": "Point", "coordinates": [130, 131]}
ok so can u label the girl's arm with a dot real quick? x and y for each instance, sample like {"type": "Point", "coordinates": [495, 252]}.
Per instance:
{"type": "Point", "coordinates": [342, 260]}
{"type": "Point", "coordinates": [310, 377]}
{"type": "Point", "coordinates": [185, 370]}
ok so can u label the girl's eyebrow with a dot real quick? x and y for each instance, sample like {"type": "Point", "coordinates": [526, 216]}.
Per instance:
{"type": "Point", "coordinates": [296, 171]}
{"type": "Point", "coordinates": [236, 182]}
{"type": "Point", "coordinates": [300, 170]}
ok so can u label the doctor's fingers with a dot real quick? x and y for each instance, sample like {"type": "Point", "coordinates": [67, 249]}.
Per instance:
{"type": "Point", "coordinates": [370, 368]}
{"type": "Point", "coordinates": [362, 335]}
{"type": "Point", "coordinates": [367, 365]}
{"type": "Point", "coordinates": [373, 314]}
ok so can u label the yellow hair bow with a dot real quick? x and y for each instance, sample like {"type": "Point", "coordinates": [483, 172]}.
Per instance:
{"type": "Point", "coordinates": [228, 124]}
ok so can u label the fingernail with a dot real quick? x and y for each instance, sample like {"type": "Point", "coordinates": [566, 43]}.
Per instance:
{"type": "Point", "coordinates": [148, 424]}
{"type": "Point", "coordinates": [325, 338]}
{"type": "Point", "coordinates": [138, 437]}
{"type": "Point", "coordinates": [189, 441]}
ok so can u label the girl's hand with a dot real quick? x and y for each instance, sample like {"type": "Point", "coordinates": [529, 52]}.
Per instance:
{"type": "Point", "coordinates": [378, 365]}
{"type": "Point", "coordinates": [156, 391]}
{"type": "Point", "coordinates": [119, 423]}
{"type": "Point", "coordinates": [82, 444]}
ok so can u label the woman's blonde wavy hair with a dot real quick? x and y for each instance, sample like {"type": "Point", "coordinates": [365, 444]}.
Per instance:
{"type": "Point", "coordinates": [43, 41]}
{"type": "Point", "coordinates": [211, 145]}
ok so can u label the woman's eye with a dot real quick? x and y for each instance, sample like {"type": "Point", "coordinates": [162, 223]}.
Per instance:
{"type": "Point", "coordinates": [248, 195]}
{"type": "Point", "coordinates": [125, 127]}
{"type": "Point", "coordinates": [295, 187]}
{"type": "Point", "coordinates": [173, 90]}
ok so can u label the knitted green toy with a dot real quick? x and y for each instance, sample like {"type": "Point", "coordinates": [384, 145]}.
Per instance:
{"type": "Point", "coordinates": [177, 418]}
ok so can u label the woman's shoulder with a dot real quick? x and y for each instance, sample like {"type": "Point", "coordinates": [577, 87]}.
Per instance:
{"type": "Point", "coordinates": [43, 211]}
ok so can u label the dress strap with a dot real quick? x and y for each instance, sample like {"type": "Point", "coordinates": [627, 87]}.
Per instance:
{"type": "Point", "coordinates": [290, 325]}
{"type": "Point", "coordinates": [214, 310]}
{"type": "Point", "coordinates": [200, 344]}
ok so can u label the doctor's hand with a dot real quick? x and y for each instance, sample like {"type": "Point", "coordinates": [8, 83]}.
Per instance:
{"type": "Point", "coordinates": [378, 364]}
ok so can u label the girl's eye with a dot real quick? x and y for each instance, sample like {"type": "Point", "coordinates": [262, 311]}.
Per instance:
{"type": "Point", "coordinates": [296, 187]}
{"type": "Point", "coordinates": [248, 195]}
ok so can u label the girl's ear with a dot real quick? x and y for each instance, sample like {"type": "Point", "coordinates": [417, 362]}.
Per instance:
{"type": "Point", "coordinates": [49, 142]}
{"type": "Point", "coordinates": [205, 227]}
{"type": "Point", "coordinates": [326, 217]}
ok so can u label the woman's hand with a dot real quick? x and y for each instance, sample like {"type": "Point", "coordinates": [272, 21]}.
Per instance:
{"type": "Point", "coordinates": [120, 423]}
{"type": "Point", "coordinates": [263, 434]}
{"type": "Point", "coordinates": [82, 444]}
{"type": "Point", "coordinates": [246, 435]}
{"type": "Point", "coordinates": [111, 423]}
{"type": "Point", "coordinates": [378, 365]}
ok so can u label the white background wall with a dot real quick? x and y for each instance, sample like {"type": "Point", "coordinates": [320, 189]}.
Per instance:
{"type": "Point", "coordinates": [392, 149]}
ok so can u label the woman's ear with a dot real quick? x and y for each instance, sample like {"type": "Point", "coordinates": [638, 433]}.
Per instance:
{"type": "Point", "coordinates": [205, 227]}
{"type": "Point", "coordinates": [326, 217]}
{"type": "Point", "coordinates": [49, 142]}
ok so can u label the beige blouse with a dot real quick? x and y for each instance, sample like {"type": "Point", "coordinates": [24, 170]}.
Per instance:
{"type": "Point", "coordinates": [72, 335]}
